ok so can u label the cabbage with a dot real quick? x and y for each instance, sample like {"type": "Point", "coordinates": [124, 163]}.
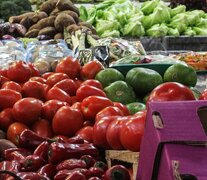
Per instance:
{"type": "Point", "coordinates": [113, 33]}
{"type": "Point", "coordinates": [173, 32]}
{"type": "Point", "coordinates": [177, 10]}
{"type": "Point", "coordinates": [133, 29]}
{"type": "Point", "coordinates": [149, 6]}
{"type": "Point", "coordinates": [200, 31]}
{"type": "Point", "coordinates": [189, 32]}
{"type": "Point", "coordinates": [179, 22]}
{"type": "Point", "coordinates": [157, 30]}
{"type": "Point", "coordinates": [105, 25]}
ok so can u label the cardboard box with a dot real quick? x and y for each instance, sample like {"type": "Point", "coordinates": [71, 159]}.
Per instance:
{"type": "Point", "coordinates": [171, 123]}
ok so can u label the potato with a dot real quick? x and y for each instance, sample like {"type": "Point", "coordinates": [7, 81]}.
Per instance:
{"type": "Point", "coordinates": [50, 31]}
{"type": "Point", "coordinates": [67, 5]}
{"type": "Point", "coordinates": [63, 20]}
{"type": "Point", "coordinates": [72, 28]}
{"type": "Point", "coordinates": [73, 14]}
{"type": "Point", "coordinates": [38, 16]}
{"type": "Point", "coordinates": [26, 22]}
{"type": "Point", "coordinates": [32, 33]}
{"type": "Point", "coordinates": [48, 6]}
{"type": "Point", "coordinates": [49, 21]}
{"type": "Point", "coordinates": [5, 144]}
{"type": "Point", "coordinates": [59, 36]}
{"type": "Point", "coordinates": [55, 12]}
{"type": "Point", "coordinates": [17, 19]}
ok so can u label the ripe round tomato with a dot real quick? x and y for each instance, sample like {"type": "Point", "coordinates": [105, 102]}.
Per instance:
{"type": "Point", "coordinates": [122, 107]}
{"type": "Point", "coordinates": [69, 66]}
{"type": "Point", "coordinates": [86, 90]}
{"type": "Point", "coordinates": [171, 91]}
{"type": "Point", "coordinates": [47, 74]}
{"type": "Point", "coordinates": [38, 79]}
{"type": "Point", "coordinates": [8, 98]}
{"type": "Point", "coordinates": [34, 70]}
{"type": "Point", "coordinates": [3, 72]}
{"type": "Point", "coordinates": [86, 133]}
{"type": "Point", "coordinates": [6, 118]}
{"type": "Point", "coordinates": [93, 82]}
{"type": "Point", "coordinates": [89, 70]}
{"type": "Point", "coordinates": [55, 78]}
{"type": "Point", "coordinates": [50, 107]}
{"type": "Point", "coordinates": [3, 79]}
{"type": "Point", "coordinates": [27, 110]}
{"type": "Point", "coordinates": [35, 89]}
{"type": "Point", "coordinates": [99, 131]}
{"type": "Point", "coordinates": [58, 94]}
{"type": "Point", "coordinates": [109, 111]}
{"type": "Point", "coordinates": [19, 72]}
{"type": "Point", "coordinates": [67, 121]}
{"type": "Point", "coordinates": [43, 128]}
{"type": "Point", "coordinates": [91, 105]}
{"type": "Point", "coordinates": [113, 132]}
{"type": "Point", "coordinates": [12, 85]}
{"type": "Point", "coordinates": [14, 130]}
{"type": "Point", "coordinates": [67, 85]}
{"type": "Point", "coordinates": [132, 131]}
{"type": "Point", "coordinates": [76, 105]}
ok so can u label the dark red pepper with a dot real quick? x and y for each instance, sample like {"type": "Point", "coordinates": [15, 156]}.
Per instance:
{"type": "Point", "coordinates": [30, 139]}
{"type": "Point", "coordinates": [95, 171]}
{"type": "Point", "coordinates": [75, 176]}
{"type": "Point", "coordinates": [11, 166]}
{"type": "Point", "coordinates": [32, 163]}
{"type": "Point", "coordinates": [75, 140]}
{"type": "Point", "coordinates": [42, 150]}
{"type": "Point", "coordinates": [48, 170]}
{"type": "Point", "coordinates": [101, 164]}
{"type": "Point", "coordinates": [11, 152]}
{"type": "Point", "coordinates": [70, 164]}
{"type": "Point", "coordinates": [61, 151]}
{"type": "Point", "coordinates": [31, 176]}
{"type": "Point", "coordinates": [61, 175]}
{"type": "Point", "coordinates": [89, 160]}
{"type": "Point", "coordinates": [117, 172]}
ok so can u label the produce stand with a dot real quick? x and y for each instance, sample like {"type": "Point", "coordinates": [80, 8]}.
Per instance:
{"type": "Point", "coordinates": [102, 90]}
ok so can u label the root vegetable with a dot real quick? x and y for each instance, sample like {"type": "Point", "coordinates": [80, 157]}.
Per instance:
{"type": "Point", "coordinates": [63, 20]}
{"type": "Point", "coordinates": [67, 5]}
{"type": "Point", "coordinates": [32, 33]}
{"type": "Point", "coordinates": [59, 36]}
{"type": "Point", "coordinates": [73, 14]}
{"type": "Point", "coordinates": [17, 19]}
{"type": "Point", "coordinates": [48, 6]}
{"type": "Point", "coordinates": [50, 31]}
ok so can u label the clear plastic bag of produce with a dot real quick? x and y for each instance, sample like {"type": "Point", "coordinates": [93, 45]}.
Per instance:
{"type": "Point", "coordinates": [10, 51]}
{"type": "Point", "coordinates": [47, 50]}
{"type": "Point", "coordinates": [120, 48]}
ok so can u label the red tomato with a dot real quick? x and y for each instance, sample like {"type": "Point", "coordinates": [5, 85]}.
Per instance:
{"type": "Point", "coordinates": [203, 95]}
{"type": "Point", "coordinates": [76, 105]}
{"type": "Point", "coordinates": [89, 70]}
{"type": "Point", "coordinates": [3, 72]}
{"type": "Point", "coordinates": [27, 110]}
{"type": "Point", "coordinates": [88, 123]}
{"type": "Point", "coordinates": [113, 132]}
{"type": "Point", "coordinates": [38, 79]}
{"type": "Point", "coordinates": [67, 121]}
{"type": "Point", "coordinates": [86, 133]}
{"type": "Point", "coordinates": [14, 130]}
{"type": "Point", "coordinates": [69, 66]}
{"type": "Point", "coordinates": [8, 98]}
{"type": "Point", "coordinates": [171, 91]}
{"type": "Point", "coordinates": [55, 78]}
{"type": "Point", "coordinates": [91, 105]}
{"type": "Point", "coordinates": [50, 107]}
{"type": "Point", "coordinates": [3, 79]}
{"type": "Point", "coordinates": [34, 70]}
{"type": "Point", "coordinates": [132, 131]}
{"type": "Point", "coordinates": [58, 94]}
{"type": "Point", "coordinates": [67, 85]}
{"type": "Point", "coordinates": [78, 83]}
{"type": "Point", "coordinates": [19, 72]}
{"type": "Point", "coordinates": [43, 128]}
{"type": "Point", "coordinates": [93, 82]}
{"type": "Point", "coordinates": [6, 118]}
{"type": "Point", "coordinates": [73, 99]}
{"type": "Point", "coordinates": [47, 74]}
{"type": "Point", "coordinates": [109, 111]}
{"type": "Point", "coordinates": [99, 131]}
{"type": "Point", "coordinates": [35, 89]}
{"type": "Point", "coordinates": [12, 85]}
{"type": "Point", "coordinates": [86, 90]}
{"type": "Point", "coordinates": [122, 107]}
